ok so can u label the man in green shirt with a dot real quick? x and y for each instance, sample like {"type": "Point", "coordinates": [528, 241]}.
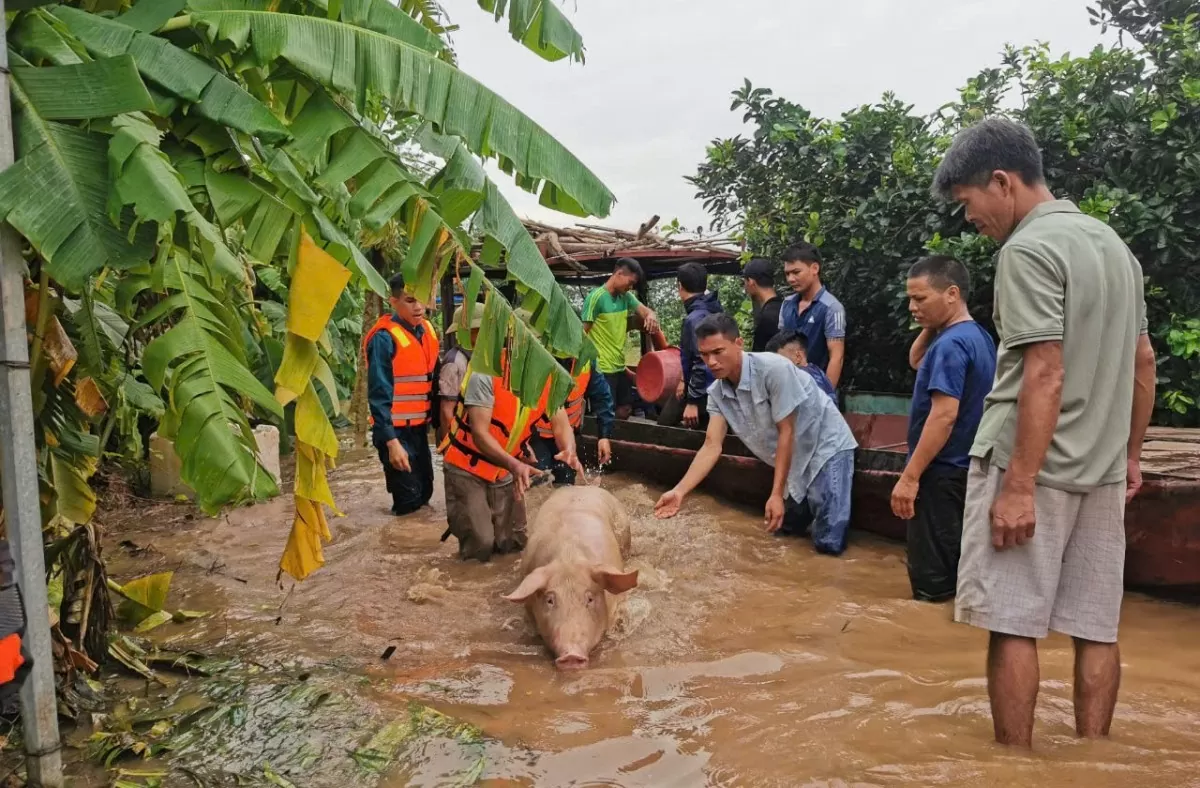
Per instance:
{"type": "Point", "coordinates": [1058, 451]}
{"type": "Point", "coordinates": [606, 321]}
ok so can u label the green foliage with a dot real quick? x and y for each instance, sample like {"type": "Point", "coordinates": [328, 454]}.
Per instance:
{"type": "Point", "coordinates": [1120, 133]}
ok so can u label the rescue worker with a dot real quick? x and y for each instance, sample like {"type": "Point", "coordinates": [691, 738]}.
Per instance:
{"type": "Point", "coordinates": [402, 352]}
{"type": "Point", "coordinates": [485, 478]}
{"type": "Point", "coordinates": [592, 387]}
{"type": "Point", "coordinates": [454, 367]}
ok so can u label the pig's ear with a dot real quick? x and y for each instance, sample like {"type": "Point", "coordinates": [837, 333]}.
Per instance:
{"type": "Point", "coordinates": [534, 581]}
{"type": "Point", "coordinates": [615, 582]}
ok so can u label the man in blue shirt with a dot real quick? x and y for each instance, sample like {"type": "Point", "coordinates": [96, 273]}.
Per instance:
{"type": "Point", "coordinates": [793, 346]}
{"type": "Point", "coordinates": [784, 419]}
{"type": "Point", "coordinates": [813, 311]}
{"type": "Point", "coordinates": [955, 359]}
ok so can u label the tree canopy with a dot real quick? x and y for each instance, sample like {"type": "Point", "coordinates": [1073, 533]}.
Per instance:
{"type": "Point", "coordinates": [1120, 133]}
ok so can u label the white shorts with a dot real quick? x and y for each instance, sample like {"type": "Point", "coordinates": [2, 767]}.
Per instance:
{"type": "Point", "coordinates": [1069, 578]}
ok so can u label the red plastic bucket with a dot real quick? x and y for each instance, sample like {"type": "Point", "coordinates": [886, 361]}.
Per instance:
{"type": "Point", "coordinates": [658, 373]}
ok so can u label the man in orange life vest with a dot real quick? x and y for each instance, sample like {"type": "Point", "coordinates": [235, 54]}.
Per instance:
{"type": "Point", "coordinates": [485, 478]}
{"type": "Point", "coordinates": [402, 351]}
{"type": "Point", "coordinates": [589, 385]}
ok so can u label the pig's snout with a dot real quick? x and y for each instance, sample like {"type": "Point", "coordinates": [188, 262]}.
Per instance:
{"type": "Point", "coordinates": [572, 661]}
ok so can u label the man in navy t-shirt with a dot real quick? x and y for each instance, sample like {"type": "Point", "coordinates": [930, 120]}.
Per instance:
{"type": "Point", "coordinates": [955, 359]}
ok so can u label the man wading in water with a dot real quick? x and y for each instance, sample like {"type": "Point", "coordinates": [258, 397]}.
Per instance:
{"type": "Point", "coordinates": [789, 423]}
{"type": "Point", "coordinates": [955, 359]}
{"type": "Point", "coordinates": [1058, 452]}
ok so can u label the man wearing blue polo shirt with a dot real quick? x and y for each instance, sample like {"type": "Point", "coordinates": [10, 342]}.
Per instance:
{"type": "Point", "coordinates": [813, 311]}
{"type": "Point", "coordinates": [955, 359]}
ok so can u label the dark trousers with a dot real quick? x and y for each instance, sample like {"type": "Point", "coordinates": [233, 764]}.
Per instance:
{"type": "Point", "coordinates": [935, 534]}
{"type": "Point", "coordinates": [410, 490]}
{"type": "Point", "coordinates": [545, 449]}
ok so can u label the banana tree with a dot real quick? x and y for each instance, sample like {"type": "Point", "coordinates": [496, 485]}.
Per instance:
{"type": "Point", "coordinates": [184, 165]}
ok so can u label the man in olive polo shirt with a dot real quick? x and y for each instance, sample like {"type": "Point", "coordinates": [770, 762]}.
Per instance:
{"type": "Point", "coordinates": [605, 318]}
{"type": "Point", "coordinates": [1057, 453]}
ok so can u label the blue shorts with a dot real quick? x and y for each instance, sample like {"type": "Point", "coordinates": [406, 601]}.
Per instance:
{"type": "Point", "coordinates": [825, 512]}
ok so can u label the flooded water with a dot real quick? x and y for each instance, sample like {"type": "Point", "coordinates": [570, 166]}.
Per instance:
{"type": "Point", "coordinates": [743, 659]}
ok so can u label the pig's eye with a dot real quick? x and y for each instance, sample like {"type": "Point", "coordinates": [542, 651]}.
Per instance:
{"type": "Point", "coordinates": [591, 598]}
{"type": "Point", "coordinates": [549, 600]}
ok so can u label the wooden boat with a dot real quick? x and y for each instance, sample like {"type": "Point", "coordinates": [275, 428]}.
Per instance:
{"type": "Point", "coordinates": [1162, 523]}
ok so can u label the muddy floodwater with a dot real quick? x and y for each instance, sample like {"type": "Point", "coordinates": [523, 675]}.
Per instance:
{"type": "Point", "coordinates": [742, 660]}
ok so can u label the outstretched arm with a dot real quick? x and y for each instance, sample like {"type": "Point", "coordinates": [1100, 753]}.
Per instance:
{"type": "Point", "coordinates": [702, 465]}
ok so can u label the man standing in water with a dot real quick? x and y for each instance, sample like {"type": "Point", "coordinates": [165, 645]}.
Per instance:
{"type": "Point", "coordinates": [401, 351]}
{"type": "Point", "coordinates": [781, 416]}
{"type": "Point", "coordinates": [813, 311]}
{"type": "Point", "coordinates": [606, 320]}
{"type": "Point", "coordinates": [955, 359]}
{"type": "Point", "coordinates": [1058, 450]}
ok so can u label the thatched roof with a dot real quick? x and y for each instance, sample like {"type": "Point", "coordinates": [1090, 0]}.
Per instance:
{"type": "Point", "coordinates": [588, 250]}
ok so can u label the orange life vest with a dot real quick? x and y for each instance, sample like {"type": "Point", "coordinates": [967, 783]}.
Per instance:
{"type": "Point", "coordinates": [573, 405]}
{"type": "Point", "coordinates": [413, 364]}
{"type": "Point", "coordinates": [458, 447]}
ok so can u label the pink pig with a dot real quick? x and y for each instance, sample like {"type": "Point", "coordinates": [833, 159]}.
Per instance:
{"type": "Point", "coordinates": [573, 567]}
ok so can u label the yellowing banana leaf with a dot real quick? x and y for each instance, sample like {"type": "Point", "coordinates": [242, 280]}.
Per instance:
{"type": "Point", "coordinates": [89, 398]}
{"type": "Point", "coordinates": [74, 499]}
{"type": "Point", "coordinates": [312, 425]}
{"type": "Point", "coordinates": [325, 375]}
{"type": "Point", "coordinates": [356, 62]}
{"type": "Point", "coordinates": [59, 350]}
{"type": "Point", "coordinates": [153, 621]}
{"type": "Point", "coordinates": [317, 284]}
{"type": "Point", "coordinates": [303, 554]}
{"type": "Point", "coordinates": [143, 597]}
{"type": "Point", "coordinates": [540, 26]}
{"type": "Point", "coordinates": [311, 481]}
{"type": "Point", "coordinates": [300, 359]}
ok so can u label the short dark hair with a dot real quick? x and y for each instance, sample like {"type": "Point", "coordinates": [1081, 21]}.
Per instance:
{"type": "Point", "coordinates": [632, 266]}
{"type": "Point", "coordinates": [761, 271]}
{"type": "Point", "coordinates": [802, 252]}
{"type": "Point", "coordinates": [942, 272]}
{"type": "Point", "coordinates": [397, 285]}
{"type": "Point", "coordinates": [692, 277]}
{"type": "Point", "coordinates": [718, 324]}
{"type": "Point", "coordinates": [787, 336]}
{"type": "Point", "coordinates": [980, 150]}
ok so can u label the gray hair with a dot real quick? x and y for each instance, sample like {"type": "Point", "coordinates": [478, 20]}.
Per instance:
{"type": "Point", "coordinates": [979, 150]}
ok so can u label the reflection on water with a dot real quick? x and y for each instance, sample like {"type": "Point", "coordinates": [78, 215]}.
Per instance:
{"type": "Point", "coordinates": [743, 659]}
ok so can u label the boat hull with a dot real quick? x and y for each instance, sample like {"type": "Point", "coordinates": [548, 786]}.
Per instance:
{"type": "Point", "coordinates": [1162, 524]}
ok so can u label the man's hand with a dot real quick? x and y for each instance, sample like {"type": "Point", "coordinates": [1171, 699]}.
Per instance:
{"type": "Point", "coordinates": [668, 505]}
{"type": "Point", "coordinates": [650, 322]}
{"type": "Point", "coordinates": [567, 457]}
{"type": "Point", "coordinates": [904, 496]}
{"type": "Point", "coordinates": [604, 450]}
{"type": "Point", "coordinates": [773, 514]}
{"type": "Point", "coordinates": [523, 477]}
{"type": "Point", "coordinates": [691, 415]}
{"type": "Point", "coordinates": [1013, 517]}
{"type": "Point", "coordinates": [1133, 478]}
{"type": "Point", "coordinates": [398, 457]}
{"type": "Point", "coordinates": [679, 389]}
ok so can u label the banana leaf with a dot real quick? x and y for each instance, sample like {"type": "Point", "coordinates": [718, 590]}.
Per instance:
{"type": "Point", "coordinates": [540, 26]}
{"type": "Point", "coordinates": [353, 61]}
{"type": "Point", "coordinates": [56, 193]}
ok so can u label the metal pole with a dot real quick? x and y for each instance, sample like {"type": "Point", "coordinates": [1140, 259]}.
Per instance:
{"type": "Point", "coordinates": [18, 469]}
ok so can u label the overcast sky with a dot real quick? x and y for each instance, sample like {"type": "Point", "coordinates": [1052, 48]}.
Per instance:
{"type": "Point", "coordinates": [656, 85]}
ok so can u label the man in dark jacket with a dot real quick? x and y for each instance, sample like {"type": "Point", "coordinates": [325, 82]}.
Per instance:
{"type": "Point", "coordinates": [698, 304]}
